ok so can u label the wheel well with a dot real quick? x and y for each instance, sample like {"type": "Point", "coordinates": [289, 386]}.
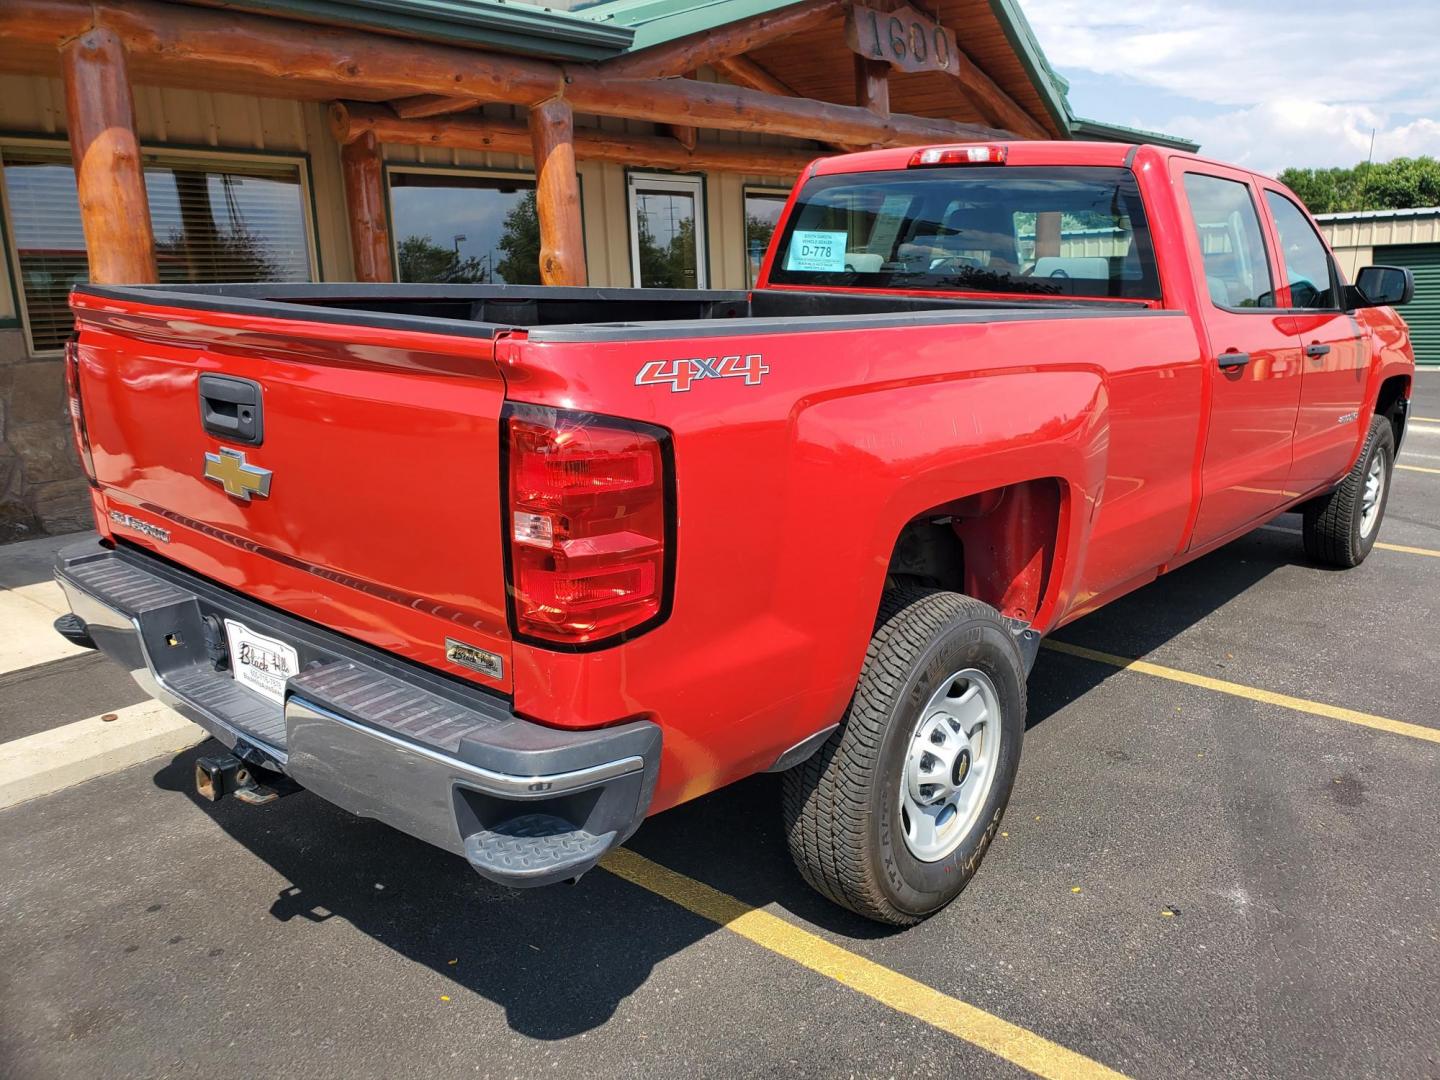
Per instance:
{"type": "Point", "coordinates": [1393, 403]}
{"type": "Point", "coordinates": [997, 546]}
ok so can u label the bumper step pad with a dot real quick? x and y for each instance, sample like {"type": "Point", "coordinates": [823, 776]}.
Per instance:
{"type": "Point", "coordinates": [533, 846]}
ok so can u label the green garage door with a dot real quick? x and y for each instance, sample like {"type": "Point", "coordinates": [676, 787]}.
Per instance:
{"type": "Point", "coordinates": [1422, 313]}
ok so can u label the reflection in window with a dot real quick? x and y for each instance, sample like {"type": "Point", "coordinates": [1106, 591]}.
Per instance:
{"type": "Point", "coordinates": [240, 221]}
{"type": "Point", "coordinates": [1307, 265]}
{"type": "Point", "coordinates": [1227, 224]}
{"type": "Point", "coordinates": [762, 214]}
{"type": "Point", "coordinates": [667, 236]}
{"type": "Point", "coordinates": [456, 228]}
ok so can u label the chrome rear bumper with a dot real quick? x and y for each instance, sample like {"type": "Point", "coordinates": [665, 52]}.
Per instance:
{"type": "Point", "coordinates": [368, 731]}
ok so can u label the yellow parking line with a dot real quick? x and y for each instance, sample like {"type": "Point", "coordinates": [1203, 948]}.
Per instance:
{"type": "Point", "coordinates": [1269, 697]}
{"type": "Point", "coordinates": [1407, 550]}
{"type": "Point", "coordinates": [1416, 468]}
{"type": "Point", "coordinates": [1016, 1045]}
{"type": "Point", "coordinates": [1427, 419]}
{"type": "Point", "coordinates": [1379, 543]}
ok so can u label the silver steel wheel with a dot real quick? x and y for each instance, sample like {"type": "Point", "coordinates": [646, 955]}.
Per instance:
{"type": "Point", "coordinates": [1373, 495]}
{"type": "Point", "coordinates": [950, 765]}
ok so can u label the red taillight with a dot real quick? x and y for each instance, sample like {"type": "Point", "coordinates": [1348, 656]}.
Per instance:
{"type": "Point", "coordinates": [77, 407]}
{"type": "Point", "coordinates": [588, 525]}
{"type": "Point", "coordinates": [959, 155]}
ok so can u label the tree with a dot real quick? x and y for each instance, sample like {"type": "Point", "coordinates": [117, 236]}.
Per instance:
{"type": "Point", "coordinates": [1391, 185]}
{"type": "Point", "coordinates": [421, 259]}
{"type": "Point", "coordinates": [520, 241]}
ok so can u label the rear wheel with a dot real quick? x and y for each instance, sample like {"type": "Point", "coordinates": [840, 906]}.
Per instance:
{"type": "Point", "coordinates": [1340, 528]}
{"type": "Point", "coordinates": [893, 815]}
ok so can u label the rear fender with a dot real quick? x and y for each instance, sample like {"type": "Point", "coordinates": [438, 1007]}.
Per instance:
{"type": "Point", "coordinates": [1013, 428]}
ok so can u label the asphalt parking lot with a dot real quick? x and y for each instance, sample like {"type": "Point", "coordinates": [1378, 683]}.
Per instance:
{"type": "Point", "coordinates": [1225, 862]}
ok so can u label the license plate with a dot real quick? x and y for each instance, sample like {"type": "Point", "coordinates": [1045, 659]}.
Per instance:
{"type": "Point", "coordinates": [259, 662]}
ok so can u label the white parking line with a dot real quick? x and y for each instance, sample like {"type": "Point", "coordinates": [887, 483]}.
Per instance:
{"type": "Point", "coordinates": [27, 630]}
{"type": "Point", "coordinates": [62, 757]}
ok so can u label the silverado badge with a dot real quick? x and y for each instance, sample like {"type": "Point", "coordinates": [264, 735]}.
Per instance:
{"type": "Point", "coordinates": [238, 477]}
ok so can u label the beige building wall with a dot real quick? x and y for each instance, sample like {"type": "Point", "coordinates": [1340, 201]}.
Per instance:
{"type": "Point", "coordinates": [1354, 240]}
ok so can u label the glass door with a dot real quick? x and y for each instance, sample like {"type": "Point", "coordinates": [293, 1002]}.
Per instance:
{"type": "Point", "coordinates": [667, 231]}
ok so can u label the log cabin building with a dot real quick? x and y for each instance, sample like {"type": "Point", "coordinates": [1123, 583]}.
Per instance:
{"type": "Point", "coordinates": [601, 142]}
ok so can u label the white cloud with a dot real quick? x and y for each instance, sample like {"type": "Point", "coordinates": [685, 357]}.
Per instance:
{"type": "Point", "coordinates": [1281, 133]}
{"type": "Point", "coordinates": [1291, 84]}
{"type": "Point", "coordinates": [1237, 53]}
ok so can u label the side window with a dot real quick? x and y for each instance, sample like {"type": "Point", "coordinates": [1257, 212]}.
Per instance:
{"type": "Point", "coordinates": [1307, 265]}
{"type": "Point", "coordinates": [1227, 225]}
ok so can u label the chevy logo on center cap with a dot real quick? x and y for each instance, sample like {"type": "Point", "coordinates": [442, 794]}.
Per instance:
{"type": "Point", "coordinates": [238, 477]}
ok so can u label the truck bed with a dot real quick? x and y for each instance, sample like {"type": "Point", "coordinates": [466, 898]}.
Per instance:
{"type": "Point", "coordinates": [576, 314]}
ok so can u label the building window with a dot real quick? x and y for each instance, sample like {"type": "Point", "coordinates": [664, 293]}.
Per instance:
{"type": "Point", "coordinates": [214, 220]}
{"type": "Point", "coordinates": [667, 231]}
{"type": "Point", "coordinates": [762, 213]}
{"type": "Point", "coordinates": [463, 227]}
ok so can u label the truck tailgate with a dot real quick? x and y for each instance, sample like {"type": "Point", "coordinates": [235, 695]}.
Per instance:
{"type": "Point", "coordinates": [370, 500]}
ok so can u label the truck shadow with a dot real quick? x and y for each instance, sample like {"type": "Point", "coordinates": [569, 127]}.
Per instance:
{"type": "Point", "coordinates": [561, 960]}
{"type": "Point", "coordinates": [1141, 622]}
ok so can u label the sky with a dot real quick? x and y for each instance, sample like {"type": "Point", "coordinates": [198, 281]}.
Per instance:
{"type": "Point", "coordinates": [1265, 85]}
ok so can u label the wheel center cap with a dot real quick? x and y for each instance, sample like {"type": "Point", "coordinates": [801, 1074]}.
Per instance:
{"type": "Point", "coordinates": [962, 768]}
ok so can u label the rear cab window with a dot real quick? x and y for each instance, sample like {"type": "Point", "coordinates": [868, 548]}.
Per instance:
{"type": "Point", "coordinates": [1072, 231]}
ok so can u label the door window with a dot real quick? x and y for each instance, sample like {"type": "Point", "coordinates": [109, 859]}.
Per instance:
{"type": "Point", "coordinates": [667, 231]}
{"type": "Point", "coordinates": [1307, 263]}
{"type": "Point", "coordinates": [1232, 247]}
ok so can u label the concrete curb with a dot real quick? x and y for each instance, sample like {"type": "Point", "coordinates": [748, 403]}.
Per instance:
{"type": "Point", "coordinates": [51, 761]}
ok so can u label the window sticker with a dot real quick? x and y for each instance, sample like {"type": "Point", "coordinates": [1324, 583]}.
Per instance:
{"type": "Point", "coordinates": [816, 251]}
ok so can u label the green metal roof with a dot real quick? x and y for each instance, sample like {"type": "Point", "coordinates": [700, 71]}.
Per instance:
{"type": "Point", "coordinates": [1102, 131]}
{"type": "Point", "coordinates": [519, 27]}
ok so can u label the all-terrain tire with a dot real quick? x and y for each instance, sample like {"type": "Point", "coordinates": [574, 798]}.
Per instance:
{"type": "Point", "coordinates": [842, 807]}
{"type": "Point", "coordinates": [1334, 524]}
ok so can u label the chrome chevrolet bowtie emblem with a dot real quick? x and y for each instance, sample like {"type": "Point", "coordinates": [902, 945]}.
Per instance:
{"type": "Point", "coordinates": [231, 471]}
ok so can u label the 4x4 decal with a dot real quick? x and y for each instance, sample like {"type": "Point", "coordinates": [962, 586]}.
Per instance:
{"type": "Point", "coordinates": [679, 374]}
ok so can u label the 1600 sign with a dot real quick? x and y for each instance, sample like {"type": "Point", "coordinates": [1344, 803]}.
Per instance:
{"type": "Point", "coordinates": [904, 38]}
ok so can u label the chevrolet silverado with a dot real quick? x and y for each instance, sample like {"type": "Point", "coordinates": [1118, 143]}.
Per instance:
{"type": "Point", "coordinates": [511, 568]}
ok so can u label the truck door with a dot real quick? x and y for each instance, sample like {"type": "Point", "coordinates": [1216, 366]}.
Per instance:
{"type": "Point", "coordinates": [1332, 386]}
{"type": "Point", "coordinates": [1253, 353]}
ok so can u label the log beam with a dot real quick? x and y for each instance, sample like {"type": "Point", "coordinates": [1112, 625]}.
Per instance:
{"type": "Point", "coordinates": [994, 104]}
{"type": "Point", "coordinates": [688, 53]}
{"type": "Point", "coordinates": [363, 171]}
{"type": "Point", "coordinates": [353, 120]}
{"type": "Point", "coordinates": [273, 54]}
{"type": "Point", "coordinates": [743, 71]}
{"type": "Point", "coordinates": [423, 105]}
{"type": "Point", "coordinates": [686, 135]}
{"type": "Point", "coordinates": [109, 175]}
{"type": "Point", "coordinates": [557, 194]}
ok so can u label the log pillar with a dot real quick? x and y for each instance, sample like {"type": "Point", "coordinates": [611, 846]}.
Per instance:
{"type": "Point", "coordinates": [109, 175]}
{"type": "Point", "coordinates": [365, 206]}
{"type": "Point", "coordinates": [872, 85]}
{"type": "Point", "coordinates": [557, 194]}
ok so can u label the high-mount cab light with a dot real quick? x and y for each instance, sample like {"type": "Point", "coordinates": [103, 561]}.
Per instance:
{"type": "Point", "coordinates": [959, 155]}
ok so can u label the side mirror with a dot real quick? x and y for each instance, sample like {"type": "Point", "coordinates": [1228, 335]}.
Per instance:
{"type": "Point", "coordinates": [1382, 286]}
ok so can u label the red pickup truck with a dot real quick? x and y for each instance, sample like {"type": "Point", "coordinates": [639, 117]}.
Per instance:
{"type": "Point", "coordinates": [511, 568]}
